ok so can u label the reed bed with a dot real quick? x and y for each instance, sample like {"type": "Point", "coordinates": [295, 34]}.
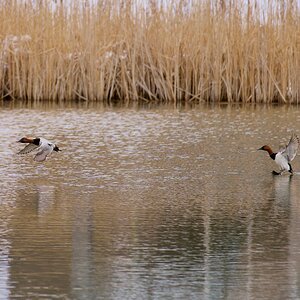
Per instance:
{"type": "Point", "coordinates": [172, 51]}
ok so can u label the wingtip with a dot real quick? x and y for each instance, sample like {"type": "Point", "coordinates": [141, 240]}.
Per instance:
{"type": "Point", "coordinates": [295, 137]}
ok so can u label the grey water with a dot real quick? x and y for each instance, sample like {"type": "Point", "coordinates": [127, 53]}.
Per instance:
{"type": "Point", "coordinates": [149, 203]}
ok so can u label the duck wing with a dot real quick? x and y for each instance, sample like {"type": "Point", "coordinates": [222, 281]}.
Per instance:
{"type": "Point", "coordinates": [45, 150]}
{"type": "Point", "coordinates": [28, 148]}
{"type": "Point", "coordinates": [290, 151]}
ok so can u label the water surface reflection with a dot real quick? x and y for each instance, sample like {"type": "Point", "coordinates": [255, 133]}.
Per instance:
{"type": "Point", "coordinates": [149, 204]}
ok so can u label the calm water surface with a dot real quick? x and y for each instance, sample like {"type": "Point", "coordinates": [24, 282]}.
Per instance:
{"type": "Point", "coordinates": [157, 203]}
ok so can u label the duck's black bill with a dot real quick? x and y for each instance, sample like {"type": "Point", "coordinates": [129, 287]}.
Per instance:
{"type": "Point", "coordinates": [261, 148]}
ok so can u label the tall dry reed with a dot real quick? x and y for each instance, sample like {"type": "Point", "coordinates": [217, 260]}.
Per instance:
{"type": "Point", "coordinates": [125, 50]}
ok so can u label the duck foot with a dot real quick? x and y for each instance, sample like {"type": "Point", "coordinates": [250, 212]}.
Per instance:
{"type": "Point", "coordinates": [276, 173]}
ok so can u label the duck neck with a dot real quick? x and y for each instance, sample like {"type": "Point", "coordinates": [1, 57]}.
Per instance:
{"type": "Point", "coordinates": [268, 149]}
{"type": "Point", "coordinates": [271, 153]}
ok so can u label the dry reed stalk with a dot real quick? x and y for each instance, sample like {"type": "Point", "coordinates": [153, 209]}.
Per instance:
{"type": "Point", "coordinates": [180, 51]}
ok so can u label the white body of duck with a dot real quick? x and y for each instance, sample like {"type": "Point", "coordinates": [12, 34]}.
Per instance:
{"type": "Point", "coordinates": [285, 155]}
{"type": "Point", "coordinates": [43, 146]}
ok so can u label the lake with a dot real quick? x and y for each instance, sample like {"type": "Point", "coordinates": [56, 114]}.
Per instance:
{"type": "Point", "coordinates": [149, 203]}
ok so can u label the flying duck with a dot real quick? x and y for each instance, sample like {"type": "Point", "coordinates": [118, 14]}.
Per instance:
{"type": "Point", "coordinates": [285, 155]}
{"type": "Point", "coordinates": [43, 146]}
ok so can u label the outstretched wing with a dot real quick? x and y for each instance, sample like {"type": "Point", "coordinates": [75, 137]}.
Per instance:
{"type": "Point", "coordinates": [290, 150]}
{"type": "Point", "coordinates": [29, 148]}
{"type": "Point", "coordinates": [44, 150]}
{"type": "Point", "coordinates": [41, 155]}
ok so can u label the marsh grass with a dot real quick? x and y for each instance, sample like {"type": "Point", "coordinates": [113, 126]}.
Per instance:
{"type": "Point", "coordinates": [121, 50]}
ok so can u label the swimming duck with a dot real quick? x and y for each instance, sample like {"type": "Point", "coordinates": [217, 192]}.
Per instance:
{"type": "Point", "coordinates": [43, 146]}
{"type": "Point", "coordinates": [285, 155]}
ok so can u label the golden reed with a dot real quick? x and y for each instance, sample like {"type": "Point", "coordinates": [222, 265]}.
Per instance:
{"type": "Point", "coordinates": [230, 50]}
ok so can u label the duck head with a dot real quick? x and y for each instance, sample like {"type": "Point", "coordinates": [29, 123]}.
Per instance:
{"type": "Point", "coordinates": [266, 148]}
{"type": "Point", "coordinates": [26, 140]}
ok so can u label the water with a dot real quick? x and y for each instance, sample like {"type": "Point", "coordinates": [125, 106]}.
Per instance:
{"type": "Point", "coordinates": [149, 203]}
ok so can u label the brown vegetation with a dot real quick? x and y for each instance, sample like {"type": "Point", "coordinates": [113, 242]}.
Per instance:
{"type": "Point", "coordinates": [120, 50]}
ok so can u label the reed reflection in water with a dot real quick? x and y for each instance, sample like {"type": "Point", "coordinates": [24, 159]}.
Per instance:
{"type": "Point", "coordinates": [149, 203]}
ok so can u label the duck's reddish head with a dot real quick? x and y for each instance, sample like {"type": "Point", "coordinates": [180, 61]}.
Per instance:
{"type": "Point", "coordinates": [266, 148]}
{"type": "Point", "coordinates": [26, 139]}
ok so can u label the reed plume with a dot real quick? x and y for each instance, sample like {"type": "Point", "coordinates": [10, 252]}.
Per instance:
{"type": "Point", "coordinates": [121, 50]}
